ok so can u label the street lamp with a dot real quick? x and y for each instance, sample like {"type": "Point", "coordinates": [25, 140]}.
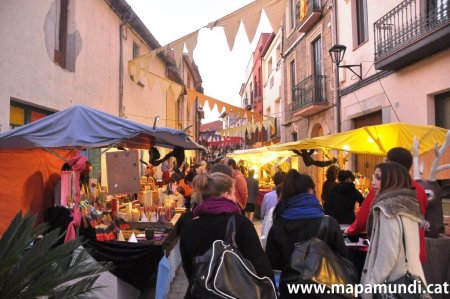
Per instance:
{"type": "Point", "coordinates": [337, 53]}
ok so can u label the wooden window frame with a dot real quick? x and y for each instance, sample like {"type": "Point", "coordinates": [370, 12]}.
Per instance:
{"type": "Point", "coordinates": [362, 26]}
{"type": "Point", "coordinates": [61, 53]}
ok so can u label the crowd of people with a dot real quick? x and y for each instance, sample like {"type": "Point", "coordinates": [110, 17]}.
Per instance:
{"type": "Point", "coordinates": [392, 215]}
{"type": "Point", "coordinates": [392, 212]}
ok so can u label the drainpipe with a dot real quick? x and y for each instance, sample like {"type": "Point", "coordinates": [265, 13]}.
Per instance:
{"type": "Point", "coordinates": [336, 77]}
{"type": "Point", "coordinates": [121, 108]}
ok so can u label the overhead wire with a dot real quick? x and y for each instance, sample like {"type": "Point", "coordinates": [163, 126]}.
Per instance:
{"type": "Point", "coordinates": [387, 96]}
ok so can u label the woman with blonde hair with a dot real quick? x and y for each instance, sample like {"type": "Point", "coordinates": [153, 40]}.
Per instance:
{"type": "Point", "coordinates": [214, 195]}
{"type": "Point", "coordinates": [393, 227]}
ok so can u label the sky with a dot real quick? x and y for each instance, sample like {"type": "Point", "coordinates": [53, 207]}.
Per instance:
{"type": "Point", "coordinates": [222, 71]}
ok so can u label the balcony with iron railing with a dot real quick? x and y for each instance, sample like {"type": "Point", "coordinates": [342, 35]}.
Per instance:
{"type": "Point", "coordinates": [408, 33]}
{"type": "Point", "coordinates": [308, 96]}
{"type": "Point", "coordinates": [308, 12]}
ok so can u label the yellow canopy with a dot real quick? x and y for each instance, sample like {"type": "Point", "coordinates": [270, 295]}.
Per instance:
{"type": "Point", "coordinates": [374, 140]}
{"type": "Point", "coordinates": [260, 155]}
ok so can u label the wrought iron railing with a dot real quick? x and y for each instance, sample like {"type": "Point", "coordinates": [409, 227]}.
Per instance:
{"type": "Point", "coordinates": [406, 23]}
{"type": "Point", "coordinates": [309, 91]}
{"type": "Point", "coordinates": [309, 7]}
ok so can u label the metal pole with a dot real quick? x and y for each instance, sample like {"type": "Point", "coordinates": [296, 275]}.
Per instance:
{"type": "Point", "coordinates": [338, 99]}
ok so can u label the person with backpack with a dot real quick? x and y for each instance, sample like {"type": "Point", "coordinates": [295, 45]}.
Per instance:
{"type": "Point", "coordinates": [214, 192]}
{"type": "Point", "coordinates": [298, 217]}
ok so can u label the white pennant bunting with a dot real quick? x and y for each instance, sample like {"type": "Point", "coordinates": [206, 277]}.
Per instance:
{"type": "Point", "coordinates": [191, 43]}
{"type": "Point", "coordinates": [275, 11]}
{"type": "Point", "coordinates": [178, 48]}
{"type": "Point", "coordinates": [251, 21]}
{"type": "Point", "coordinates": [231, 28]}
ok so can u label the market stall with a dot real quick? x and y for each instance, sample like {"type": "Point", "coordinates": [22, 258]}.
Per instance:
{"type": "Point", "coordinates": [31, 156]}
{"type": "Point", "coordinates": [265, 163]}
{"type": "Point", "coordinates": [378, 140]}
{"type": "Point", "coordinates": [371, 140]}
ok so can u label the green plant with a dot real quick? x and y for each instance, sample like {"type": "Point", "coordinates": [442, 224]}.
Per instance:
{"type": "Point", "coordinates": [29, 268]}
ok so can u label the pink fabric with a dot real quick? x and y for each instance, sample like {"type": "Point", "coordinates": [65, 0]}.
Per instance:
{"type": "Point", "coordinates": [78, 163]}
{"type": "Point", "coordinates": [66, 186]}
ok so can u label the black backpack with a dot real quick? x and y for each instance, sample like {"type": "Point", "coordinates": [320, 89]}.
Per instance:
{"type": "Point", "coordinates": [313, 262]}
{"type": "Point", "coordinates": [222, 272]}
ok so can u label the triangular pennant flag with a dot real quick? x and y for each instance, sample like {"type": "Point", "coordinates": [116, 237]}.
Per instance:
{"type": "Point", "coordinates": [164, 84]}
{"type": "Point", "coordinates": [178, 48]}
{"type": "Point", "coordinates": [219, 106]}
{"type": "Point", "coordinates": [275, 12]}
{"type": "Point", "coordinates": [201, 100]}
{"type": "Point", "coordinates": [150, 81]}
{"type": "Point", "coordinates": [231, 28]}
{"type": "Point", "coordinates": [251, 21]}
{"type": "Point", "coordinates": [254, 127]}
{"type": "Point", "coordinates": [259, 125]}
{"type": "Point", "coordinates": [145, 61]}
{"type": "Point", "coordinates": [137, 74]}
{"type": "Point", "coordinates": [272, 122]}
{"type": "Point", "coordinates": [191, 98]}
{"type": "Point", "coordinates": [176, 89]}
{"type": "Point", "coordinates": [191, 43]}
{"type": "Point", "coordinates": [132, 69]}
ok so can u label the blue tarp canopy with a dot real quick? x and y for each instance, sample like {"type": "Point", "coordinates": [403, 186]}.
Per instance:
{"type": "Point", "coordinates": [82, 127]}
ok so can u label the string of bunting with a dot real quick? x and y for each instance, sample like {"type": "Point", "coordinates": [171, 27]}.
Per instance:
{"type": "Point", "coordinates": [250, 128]}
{"type": "Point", "coordinates": [254, 119]}
{"type": "Point", "coordinates": [249, 15]}
{"type": "Point", "coordinates": [139, 73]}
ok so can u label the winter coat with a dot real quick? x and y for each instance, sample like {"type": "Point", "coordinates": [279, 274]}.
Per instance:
{"type": "Point", "coordinates": [326, 188]}
{"type": "Point", "coordinates": [240, 188]}
{"type": "Point", "coordinates": [359, 225]}
{"type": "Point", "coordinates": [394, 213]}
{"type": "Point", "coordinates": [341, 202]}
{"type": "Point", "coordinates": [198, 235]}
{"type": "Point", "coordinates": [253, 189]}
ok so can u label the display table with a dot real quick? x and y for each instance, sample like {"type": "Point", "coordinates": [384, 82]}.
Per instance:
{"type": "Point", "coordinates": [259, 200]}
{"type": "Point", "coordinates": [134, 263]}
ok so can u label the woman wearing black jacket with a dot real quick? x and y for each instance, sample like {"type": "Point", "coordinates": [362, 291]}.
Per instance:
{"type": "Point", "coordinates": [297, 218]}
{"type": "Point", "coordinates": [210, 220]}
{"type": "Point", "coordinates": [342, 198]}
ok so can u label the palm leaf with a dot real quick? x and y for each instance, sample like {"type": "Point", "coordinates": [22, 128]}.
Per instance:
{"type": "Point", "coordinates": [77, 289]}
{"type": "Point", "coordinates": [17, 237]}
{"type": "Point", "coordinates": [43, 269]}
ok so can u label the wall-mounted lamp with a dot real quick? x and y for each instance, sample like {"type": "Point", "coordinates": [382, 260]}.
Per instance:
{"type": "Point", "coordinates": [337, 53]}
{"type": "Point", "coordinates": [155, 121]}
